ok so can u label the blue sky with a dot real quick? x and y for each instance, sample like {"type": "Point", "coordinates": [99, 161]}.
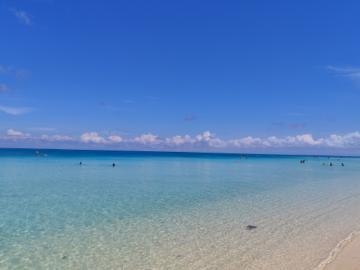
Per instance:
{"type": "Point", "coordinates": [261, 76]}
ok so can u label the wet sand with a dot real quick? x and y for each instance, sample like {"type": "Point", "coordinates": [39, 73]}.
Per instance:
{"type": "Point", "coordinates": [348, 258]}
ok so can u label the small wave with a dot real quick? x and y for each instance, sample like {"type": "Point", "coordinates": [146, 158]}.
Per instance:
{"type": "Point", "coordinates": [335, 251]}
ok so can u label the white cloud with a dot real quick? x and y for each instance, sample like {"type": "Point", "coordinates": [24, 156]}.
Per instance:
{"type": "Point", "coordinates": [246, 141]}
{"type": "Point", "coordinates": [115, 139]}
{"type": "Point", "coordinates": [347, 140]}
{"type": "Point", "coordinates": [210, 139]}
{"type": "Point", "coordinates": [92, 137]}
{"type": "Point", "coordinates": [179, 140]}
{"type": "Point", "coordinates": [345, 71]}
{"type": "Point", "coordinates": [147, 139]}
{"type": "Point", "coordinates": [302, 140]}
{"type": "Point", "coordinates": [15, 110]}
{"type": "Point", "coordinates": [307, 139]}
{"type": "Point", "coordinates": [204, 137]}
{"type": "Point", "coordinates": [12, 133]}
{"type": "Point", "coordinates": [22, 16]}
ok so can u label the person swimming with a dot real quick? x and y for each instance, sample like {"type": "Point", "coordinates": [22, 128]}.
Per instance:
{"type": "Point", "coordinates": [113, 164]}
{"type": "Point", "coordinates": [80, 163]}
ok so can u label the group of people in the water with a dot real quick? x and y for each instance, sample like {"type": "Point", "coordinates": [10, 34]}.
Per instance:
{"type": "Point", "coordinates": [302, 161]}
{"type": "Point", "coordinates": [332, 164]}
{"type": "Point", "coordinates": [113, 165]}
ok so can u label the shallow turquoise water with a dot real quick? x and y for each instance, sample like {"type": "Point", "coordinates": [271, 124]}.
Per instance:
{"type": "Point", "coordinates": [172, 211]}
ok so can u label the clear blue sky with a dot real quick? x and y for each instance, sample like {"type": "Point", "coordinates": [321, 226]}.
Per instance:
{"type": "Point", "coordinates": [146, 71]}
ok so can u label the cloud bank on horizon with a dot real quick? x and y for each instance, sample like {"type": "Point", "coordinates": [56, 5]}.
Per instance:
{"type": "Point", "coordinates": [203, 141]}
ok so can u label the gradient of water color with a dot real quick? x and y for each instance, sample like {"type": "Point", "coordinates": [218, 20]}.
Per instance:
{"type": "Point", "coordinates": [173, 211]}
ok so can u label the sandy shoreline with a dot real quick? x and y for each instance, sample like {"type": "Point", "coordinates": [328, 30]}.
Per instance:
{"type": "Point", "coordinates": [345, 256]}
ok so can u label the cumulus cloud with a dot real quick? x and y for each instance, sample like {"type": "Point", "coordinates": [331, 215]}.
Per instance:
{"type": "Point", "coordinates": [115, 139]}
{"type": "Point", "coordinates": [179, 140]}
{"type": "Point", "coordinates": [92, 137]}
{"type": "Point", "coordinates": [147, 139]}
{"type": "Point", "coordinates": [334, 140]}
{"type": "Point", "coordinates": [347, 140]}
{"type": "Point", "coordinates": [12, 133]}
{"type": "Point", "coordinates": [246, 141]}
{"type": "Point", "coordinates": [204, 137]}
{"type": "Point", "coordinates": [15, 110]}
{"type": "Point", "coordinates": [210, 139]}
{"type": "Point", "coordinates": [22, 16]}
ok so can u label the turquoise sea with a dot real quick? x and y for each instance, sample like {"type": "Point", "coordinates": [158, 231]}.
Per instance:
{"type": "Point", "coordinates": [173, 210]}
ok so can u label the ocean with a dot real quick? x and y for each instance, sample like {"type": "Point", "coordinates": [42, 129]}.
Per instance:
{"type": "Point", "coordinates": [157, 210]}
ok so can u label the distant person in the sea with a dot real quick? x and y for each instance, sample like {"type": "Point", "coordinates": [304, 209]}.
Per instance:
{"type": "Point", "coordinates": [113, 164]}
{"type": "Point", "coordinates": [80, 163]}
{"type": "Point", "coordinates": [331, 164]}
{"type": "Point", "coordinates": [342, 164]}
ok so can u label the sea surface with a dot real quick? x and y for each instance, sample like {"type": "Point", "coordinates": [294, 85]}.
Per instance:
{"type": "Point", "coordinates": [173, 210]}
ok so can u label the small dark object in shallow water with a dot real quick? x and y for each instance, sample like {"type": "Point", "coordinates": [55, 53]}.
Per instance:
{"type": "Point", "coordinates": [342, 164]}
{"type": "Point", "coordinates": [64, 257]}
{"type": "Point", "coordinates": [113, 164]}
{"type": "Point", "coordinates": [251, 227]}
{"type": "Point", "coordinates": [331, 164]}
{"type": "Point", "coordinates": [80, 163]}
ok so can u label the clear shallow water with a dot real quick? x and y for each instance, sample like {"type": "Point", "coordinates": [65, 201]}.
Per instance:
{"type": "Point", "coordinates": [172, 211]}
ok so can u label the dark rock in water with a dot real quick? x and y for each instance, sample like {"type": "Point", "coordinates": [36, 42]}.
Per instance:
{"type": "Point", "coordinates": [64, 257]}
{"type": "Point", "coordinates": [251, 227]}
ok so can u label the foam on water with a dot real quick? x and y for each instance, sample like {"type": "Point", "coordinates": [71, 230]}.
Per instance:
{"type": "Point", "coordinates": [173, 211]}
